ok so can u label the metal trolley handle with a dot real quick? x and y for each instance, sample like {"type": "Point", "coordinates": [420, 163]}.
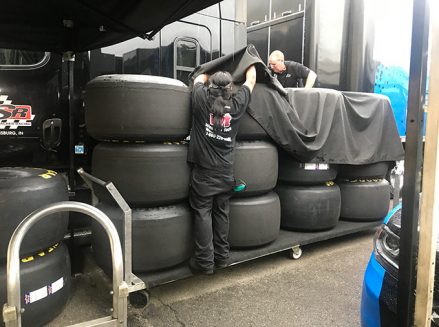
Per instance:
{"type": "Point", "coordinates": [12, 309]}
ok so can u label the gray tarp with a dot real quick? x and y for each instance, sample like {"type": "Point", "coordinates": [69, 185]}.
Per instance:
{"type": "Point", "coordinates": [317, 125]}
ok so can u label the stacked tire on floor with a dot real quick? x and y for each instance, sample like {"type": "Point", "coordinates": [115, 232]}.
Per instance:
{"type": "Point", "coordinates": [45, 273]}
{"type": "Point", "coordinates": [310, 200]}
{"type": "Point", "coordinates": [255, 212]}
{"type": "Point", "coordinates": [140, 121]}
{"type": "Point", "coordinates": [365, 193]}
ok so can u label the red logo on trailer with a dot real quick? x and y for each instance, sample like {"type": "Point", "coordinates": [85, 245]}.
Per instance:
{"type": "Point", "coordinates": [19, 112]}
{"type": "Point", "coordinates": [14, 116]}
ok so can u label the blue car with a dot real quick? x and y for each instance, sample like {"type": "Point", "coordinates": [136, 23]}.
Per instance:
{"type": "Point", "coordinates": [379, 298]}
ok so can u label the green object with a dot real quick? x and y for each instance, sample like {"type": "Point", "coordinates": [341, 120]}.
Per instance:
{"type": "Point", "coordinates": [239, 185]}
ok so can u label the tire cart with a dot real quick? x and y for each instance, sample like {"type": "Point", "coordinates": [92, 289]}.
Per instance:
{"type": "Point", "coordinates": [140, 284]}
{"type": "Point", "coordinates": [12, 309]}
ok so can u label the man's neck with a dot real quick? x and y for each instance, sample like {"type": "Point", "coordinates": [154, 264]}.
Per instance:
{"type": "Point", "coordinates": [282, 72]}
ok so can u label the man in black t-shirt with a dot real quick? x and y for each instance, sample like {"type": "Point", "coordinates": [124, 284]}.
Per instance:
{"type": "Point", "coordinates": [216, 114]}
{"type": "Point", "coordinates": [290, 73]}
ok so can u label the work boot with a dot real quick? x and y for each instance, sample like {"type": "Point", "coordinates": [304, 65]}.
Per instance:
{"type": "Point", "coordinates": [220, 264]}
{"type": "Point", "coordinates": [197, 269]}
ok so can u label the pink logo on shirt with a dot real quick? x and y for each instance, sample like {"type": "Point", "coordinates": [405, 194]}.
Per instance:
{"type": "Point", "coordinates": [225, 120]}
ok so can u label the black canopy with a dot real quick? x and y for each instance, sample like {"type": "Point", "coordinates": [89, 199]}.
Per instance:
{"type": "Point", "coordinates": [80, 25]}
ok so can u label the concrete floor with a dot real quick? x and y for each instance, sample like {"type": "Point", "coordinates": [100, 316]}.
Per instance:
{"type": "Point", "coordinates": [322, 288]}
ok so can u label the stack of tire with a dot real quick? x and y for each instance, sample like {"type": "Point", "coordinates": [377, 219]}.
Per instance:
{"type": "Point", "coordinates": [45, 273]}
{"type": "Point", "coordinates": [310, 200]}
{"type": "Point", "coordinates": [255, 212]}
{"type": "Point", "coordinates": [365, 193]}
{"type": "Point", "coordinates": [140, 121]}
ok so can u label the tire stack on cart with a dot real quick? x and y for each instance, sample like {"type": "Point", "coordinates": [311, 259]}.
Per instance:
{"type": "Point", "coordinates": [140, 121]}
{"type": "Point", "coordinates": [310, 200]}
{"type": "Point", "coordinates": [365, 193]}
{"type": "Point", "coordinates": [45, 273]}
{"type": "Point", "coordinates": [255, 212]}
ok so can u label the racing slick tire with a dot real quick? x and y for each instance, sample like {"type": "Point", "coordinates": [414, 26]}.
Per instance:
{"type": "Point", "coordinates": [22, 191]}
{"type": "Point", "coordinates": [309, 208]}
{"type": "Point", "coordinates": [147, 175]}
{"type": "Point", "coordinates": [374, 170]}
{"type": "Point", "coordinates": [254, 221]}
{"type": "Point", "coordinates": [256, 164]}
{"type": "Point", "coordinates": [161, 237]}
{"type": "Point", "coordinates": [45, 280]}
{"type": "Point", "coordinates": [137, 107]}
{"type": "Point", "coordinates": [364, 200]}
{"type": "Point", "coordinates": [297, 173]}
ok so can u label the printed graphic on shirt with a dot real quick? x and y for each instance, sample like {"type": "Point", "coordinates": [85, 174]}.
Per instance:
{"type": "Point", "coordinates": [225, 122]}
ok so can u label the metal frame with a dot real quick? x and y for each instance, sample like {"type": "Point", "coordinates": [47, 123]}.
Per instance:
{"type": "Point", "coordinates": [270, 23]}
{"type": "Point", "coordinates": [412, 169]}
{"type": "Point", "coordinates": [134, 283]}
{"type": "Point", "coordinates": [124, 281]}
{"type": "Point", "coordinates": [37, 65]}
{"type": "Point", "coordinates": [69, 57]}
{"type": "Point", "coordinates": [12, 309]}
{"type": "Point", "coordinates": [197, 55]}
{"type": "Point", "coordinates": [287, 240]}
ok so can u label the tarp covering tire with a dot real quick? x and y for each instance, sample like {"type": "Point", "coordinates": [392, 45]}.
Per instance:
{"type": "Point", "coordinates": [249, 129]}
{"type": "Point", "coordinates": [316, 125]}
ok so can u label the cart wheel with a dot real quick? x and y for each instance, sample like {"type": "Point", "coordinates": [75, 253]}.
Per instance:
{"type": "Point", "coordinates": [295, 253]}
{"type": "Point", "coordinates": [139, 299]}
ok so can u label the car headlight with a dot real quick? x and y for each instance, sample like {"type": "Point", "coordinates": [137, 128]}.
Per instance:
{"type": "Point", "coordinates": [386, 243]}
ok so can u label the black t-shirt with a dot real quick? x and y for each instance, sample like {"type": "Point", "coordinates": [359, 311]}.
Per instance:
{"type": "Point", "coordinates": [294, 74]}
{"type": "Point", "coordinates": [209, 148]}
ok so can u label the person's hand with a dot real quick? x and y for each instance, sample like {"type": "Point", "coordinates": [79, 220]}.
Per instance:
{"type": "Point", "coordinates": [250, 77]}
{"type": "Point", "coordinates": [250, 71]}
{"type": "Point", "coordinates": [202, 78]}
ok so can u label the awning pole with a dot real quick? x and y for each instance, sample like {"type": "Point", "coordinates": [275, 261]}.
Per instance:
{"type": "Point", "coordinates": [427, 224]}
{"type": "Point", "coordinates": [69, 57]}
{"type": "Point", "coordinates": [413, 164]}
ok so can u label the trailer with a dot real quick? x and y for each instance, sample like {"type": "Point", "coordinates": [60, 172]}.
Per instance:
{"type": "Point", "coordinates": [359, 46]}
{"type": "Point", "coordinates": [56, 136]}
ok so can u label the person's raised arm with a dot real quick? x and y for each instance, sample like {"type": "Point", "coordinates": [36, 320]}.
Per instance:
{"type": "Point", "coordinates": [202, 78]}
{"type": "Point", "coordinates": [250, 77]}
{"type": "Point", "coordinates": [310, 80]}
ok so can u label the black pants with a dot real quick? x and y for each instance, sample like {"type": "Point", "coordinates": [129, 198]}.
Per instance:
{"type": "Point", "coordinates": [209, 198]}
